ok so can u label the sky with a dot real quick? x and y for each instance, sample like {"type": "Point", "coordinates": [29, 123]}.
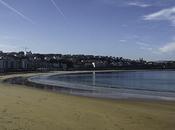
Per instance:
{"type": "Point", "coordinates": [122, 28]}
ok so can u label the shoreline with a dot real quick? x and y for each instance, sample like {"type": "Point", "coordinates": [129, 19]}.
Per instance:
{"type": "Point", "coordinates": [28, 108]}
{"type": "Point", "coordinates": [67, 88]}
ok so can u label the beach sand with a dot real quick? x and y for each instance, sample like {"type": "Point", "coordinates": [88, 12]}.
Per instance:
{"type": "Point", "coordinates": [23, 108]}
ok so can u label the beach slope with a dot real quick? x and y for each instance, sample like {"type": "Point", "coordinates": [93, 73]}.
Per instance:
{"type": "Point", "coordinates": [23, 108]}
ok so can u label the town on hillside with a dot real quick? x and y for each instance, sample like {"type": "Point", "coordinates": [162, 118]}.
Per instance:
{"type": "Point", "coordinates": [28, 61]}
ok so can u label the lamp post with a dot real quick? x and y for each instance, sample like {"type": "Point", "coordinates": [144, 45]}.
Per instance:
{"type": "Point", "coordinates": [93, 63]}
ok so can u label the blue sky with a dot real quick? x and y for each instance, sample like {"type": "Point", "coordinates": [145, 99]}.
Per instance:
{"type": "Point", "coordinates": [128, 28]}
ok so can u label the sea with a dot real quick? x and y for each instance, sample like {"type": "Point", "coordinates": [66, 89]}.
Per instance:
{"type": "Point", "coordinates": [118, 84]}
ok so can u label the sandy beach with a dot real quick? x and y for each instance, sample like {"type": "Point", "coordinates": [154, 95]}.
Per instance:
{"type": "Point", "coordinates": [24, 108]}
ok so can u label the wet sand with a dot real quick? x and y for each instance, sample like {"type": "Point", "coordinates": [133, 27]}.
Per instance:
{"type": "Point", "coordinates": [23, 108]}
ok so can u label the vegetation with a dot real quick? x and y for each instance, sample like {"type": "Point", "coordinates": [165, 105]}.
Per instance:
{"type": "Point", "coordinates": [20, 61]}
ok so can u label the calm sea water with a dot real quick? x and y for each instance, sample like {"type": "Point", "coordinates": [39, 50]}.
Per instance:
{"type": "Point", "coordinates": [163, 81]}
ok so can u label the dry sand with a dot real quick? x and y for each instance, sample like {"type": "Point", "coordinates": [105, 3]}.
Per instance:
{"type": "Point", "coordinates": [23, 108]}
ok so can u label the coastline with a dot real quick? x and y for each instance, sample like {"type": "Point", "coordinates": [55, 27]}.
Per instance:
{"type": "Point", "coordinates": [28, 108]}
{"type": "Point", "coordinates": [41, 81]}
